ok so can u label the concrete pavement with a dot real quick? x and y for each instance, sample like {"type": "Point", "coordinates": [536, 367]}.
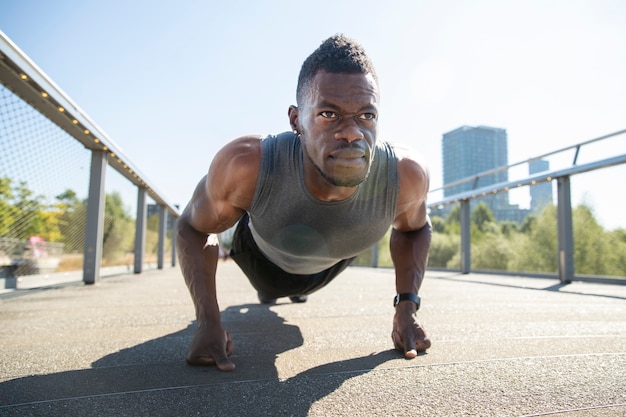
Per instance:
{"type": "Point", "coordinates": [502, 346]}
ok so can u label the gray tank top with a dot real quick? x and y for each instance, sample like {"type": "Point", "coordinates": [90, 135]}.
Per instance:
{"type": "Point", "coordinates": [303, 235]}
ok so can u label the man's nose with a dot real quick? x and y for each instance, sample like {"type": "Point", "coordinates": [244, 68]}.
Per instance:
{"type": "Point", "coordinates": [349, 131]}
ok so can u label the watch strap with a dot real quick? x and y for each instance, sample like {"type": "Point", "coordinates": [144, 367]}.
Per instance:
{"type": "Point", "coordinates": [407, 296]}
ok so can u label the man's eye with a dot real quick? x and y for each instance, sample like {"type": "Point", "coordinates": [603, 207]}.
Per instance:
{"type": "Point", "coordinates": [328, 114]}
{"type": "Point", "coordinates": [367, 116]}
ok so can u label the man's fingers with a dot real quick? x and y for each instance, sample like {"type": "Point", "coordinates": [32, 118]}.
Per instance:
{"type": "Point", "coordinates": [422, 344]}
{"type": "Point", "coordinates": [222, 353]}
{"type": "Point", "coordinates": [212, 353]}
{"type": "Point", "coordinates": [415, 341]}
{"type": "Point", "coordinates": [409, 344]}
{"type": "Point", "coordinates": [200, 360]}
{"type": "Point", "coordinates": [397, 340]}
{"type": "Point", "coordinates": [230, 346]}
{"type": "Point", "coordinates": [225, 365]}
{"type": "Point", "coordinates": [400, 346]}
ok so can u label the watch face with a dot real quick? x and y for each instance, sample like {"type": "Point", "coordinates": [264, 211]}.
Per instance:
{"type": "Point", "coordinates": [396, 300]}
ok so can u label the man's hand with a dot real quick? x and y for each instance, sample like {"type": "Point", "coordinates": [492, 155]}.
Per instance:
{"type": "Point", "coordinates": [211, 345]}
{"type": "Point", "coordinates": [407, 335]}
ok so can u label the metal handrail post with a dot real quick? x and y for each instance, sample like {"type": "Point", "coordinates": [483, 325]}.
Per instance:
{"type": "Point", "coordinates": [565, 230]}
{"type": "Point", "coordinates": [174, 247]}
{"type": "Point", "coordinates": [94, 227]}
{"type": "Point", "coordinates": [140, 229]}
{"type": "Point", "coordinates": [466, 242]}
{"type": "Point", "coordinates": [162, 235]}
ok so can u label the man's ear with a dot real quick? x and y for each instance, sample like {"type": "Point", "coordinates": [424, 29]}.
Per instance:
{"type": "Point", "coordinates": [293, 118]}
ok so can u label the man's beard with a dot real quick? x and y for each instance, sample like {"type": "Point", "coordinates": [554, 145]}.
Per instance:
{"type": "Point", "coordinates": [334, 181]}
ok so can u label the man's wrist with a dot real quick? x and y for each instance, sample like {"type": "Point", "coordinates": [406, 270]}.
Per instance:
{"type": "Point", "coordinates": [407, 296]}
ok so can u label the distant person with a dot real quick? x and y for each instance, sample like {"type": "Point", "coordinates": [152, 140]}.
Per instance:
{"type": "Point", "coordinates": [307, 201]}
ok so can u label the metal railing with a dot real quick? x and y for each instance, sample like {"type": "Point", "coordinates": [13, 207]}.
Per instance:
{"type": "Point", "coordinates": [561, 175]}
{"type": "Point", "coordinates": [27, 95]}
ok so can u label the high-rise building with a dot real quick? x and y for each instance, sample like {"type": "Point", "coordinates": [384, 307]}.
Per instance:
{"type": "Point", "coordinates": [540, 194]}
{"type": "Point", "coordinates": [471, 150]}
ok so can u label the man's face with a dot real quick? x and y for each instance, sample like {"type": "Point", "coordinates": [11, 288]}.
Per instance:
{"type": "Point", "coordinates": [337, 121]}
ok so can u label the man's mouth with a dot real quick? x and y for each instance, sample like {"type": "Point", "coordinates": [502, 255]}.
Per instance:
{"type": "Point", "coordinates": [345, 153]}
{"type": "Point", "coordinates": [352, 151]}
{"type": "Point", "coordinates": [348, 159]}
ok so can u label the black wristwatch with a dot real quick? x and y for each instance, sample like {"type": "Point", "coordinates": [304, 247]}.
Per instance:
{"type": "Point", "coordinates": [407, 296]}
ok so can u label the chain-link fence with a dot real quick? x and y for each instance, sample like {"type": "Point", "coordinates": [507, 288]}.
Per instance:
{"type": "Point", "coordinates": [68, 194]}
{"type": "Point", "coordinates": [44, 179]}
{"type": "Point", "coordinates": [44, 175]}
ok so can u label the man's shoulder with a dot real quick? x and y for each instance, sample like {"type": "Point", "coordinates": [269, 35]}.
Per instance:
{"type": "Point", "coordinates": [240, 149]}
{"type": "Point", "coordinates": [239, 158]}
{"type": "Point", "coordinates": [234, 170]}
{"type": "Point", "coordinates": [244, 154]}
{"type": "Point", "coordinates": [244, 142]}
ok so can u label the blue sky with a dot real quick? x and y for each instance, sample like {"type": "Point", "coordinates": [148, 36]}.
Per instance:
{"type": "Point", "coordinates": [171, 82]}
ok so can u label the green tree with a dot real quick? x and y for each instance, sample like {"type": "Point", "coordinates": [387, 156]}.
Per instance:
{"type": "Point", "coordinates": [48, 222]}
{"type": "Point", "coordinates": [508, 228]}
{"type": "Point", "coordinates": [118, 229]}
{"type": "Point", "coordinates": [592, 246]}
{"type": "Point", "coordinates": [438, 224]}
{"type": "Point", "coordinates": [482, 216]}
{"type": "Point", "coordinates": [536, 249]}
{"type": "Point", "coordinates": [494, 252]}
{"type": "Point", "coordinates": [152, 233]}
{"type": "Point", "coordinates": [453, 221]}
{"type": "Point", "coordinates": [616, 258]}
{"type": "Point", "coordinates": [25, 214]}
{"type": "Point", "coordinates": [528, 224]}
{"type": "Point", "coordinates": [72, 221]}
{"type": "Point", "coordinates": [27, 209]}
{"type": "Point", "coordinates": [443, 248]}
{"type": "Point", "coordinates": [7, 210]}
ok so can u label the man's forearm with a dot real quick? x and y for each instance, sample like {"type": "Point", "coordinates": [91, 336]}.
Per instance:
{"type": "Point", "coordinates": [198, 262]}
{"type": "Point", "coordinates": [409, 252]}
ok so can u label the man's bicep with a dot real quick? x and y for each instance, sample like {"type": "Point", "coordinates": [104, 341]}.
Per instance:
{"type": "Point", "coordinates": [226, 192]}
{"type": "Point", "coordinates": [206, 212]}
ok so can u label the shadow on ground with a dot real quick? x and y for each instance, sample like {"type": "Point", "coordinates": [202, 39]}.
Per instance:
{"type": "Point", "coordinates": [563, 288]}
{"type": "Point", "coordinates": [152, 378]}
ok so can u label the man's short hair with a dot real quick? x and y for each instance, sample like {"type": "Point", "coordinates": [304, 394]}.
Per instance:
{"type": "Point", "coordinates": [338, 55]}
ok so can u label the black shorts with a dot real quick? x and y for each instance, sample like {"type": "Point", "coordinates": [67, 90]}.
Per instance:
{"type": "Point", "coordinates": [267, 278]}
